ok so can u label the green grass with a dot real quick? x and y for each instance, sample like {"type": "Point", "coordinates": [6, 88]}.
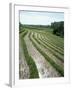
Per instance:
{"type": "Point", "coordinates": [58, 53]}
{"type": "Point", "coordinates": [46, 39]}
{"type": "Point", "coordinates": [56, 40]}
{"type": "Point", "coordinates": [49, 49]}
{"type": "Point", "coordinates": [32, 66]}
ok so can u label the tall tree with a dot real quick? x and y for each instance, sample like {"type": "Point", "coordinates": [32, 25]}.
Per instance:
{"type": "Point", "coordinates": [58, 28]}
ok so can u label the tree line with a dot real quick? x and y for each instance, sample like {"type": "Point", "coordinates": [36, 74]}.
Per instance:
{"type": "Point", "coordinates": [58, 28]}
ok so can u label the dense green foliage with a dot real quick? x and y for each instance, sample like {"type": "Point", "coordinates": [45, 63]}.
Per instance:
{"type": "Point", "coordinates": [21, 28]}
{"type": "Point", "coordinates": [58, 28]}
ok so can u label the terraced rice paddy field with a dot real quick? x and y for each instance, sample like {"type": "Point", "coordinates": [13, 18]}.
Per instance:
{"type": "Point", "coordinates": [41, 54]}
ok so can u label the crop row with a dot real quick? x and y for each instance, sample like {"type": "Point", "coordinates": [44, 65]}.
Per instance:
{"type": "Point", "coordinates": [51, 49]}
{"type": "Point", "coordinates": [32, 66]}
{"type": "Point", "coordinates": [48, 52]}
{"type": "Point", "coordinates": [59, 42]}
{"type": "Point", "coordinates": [50, 60]}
